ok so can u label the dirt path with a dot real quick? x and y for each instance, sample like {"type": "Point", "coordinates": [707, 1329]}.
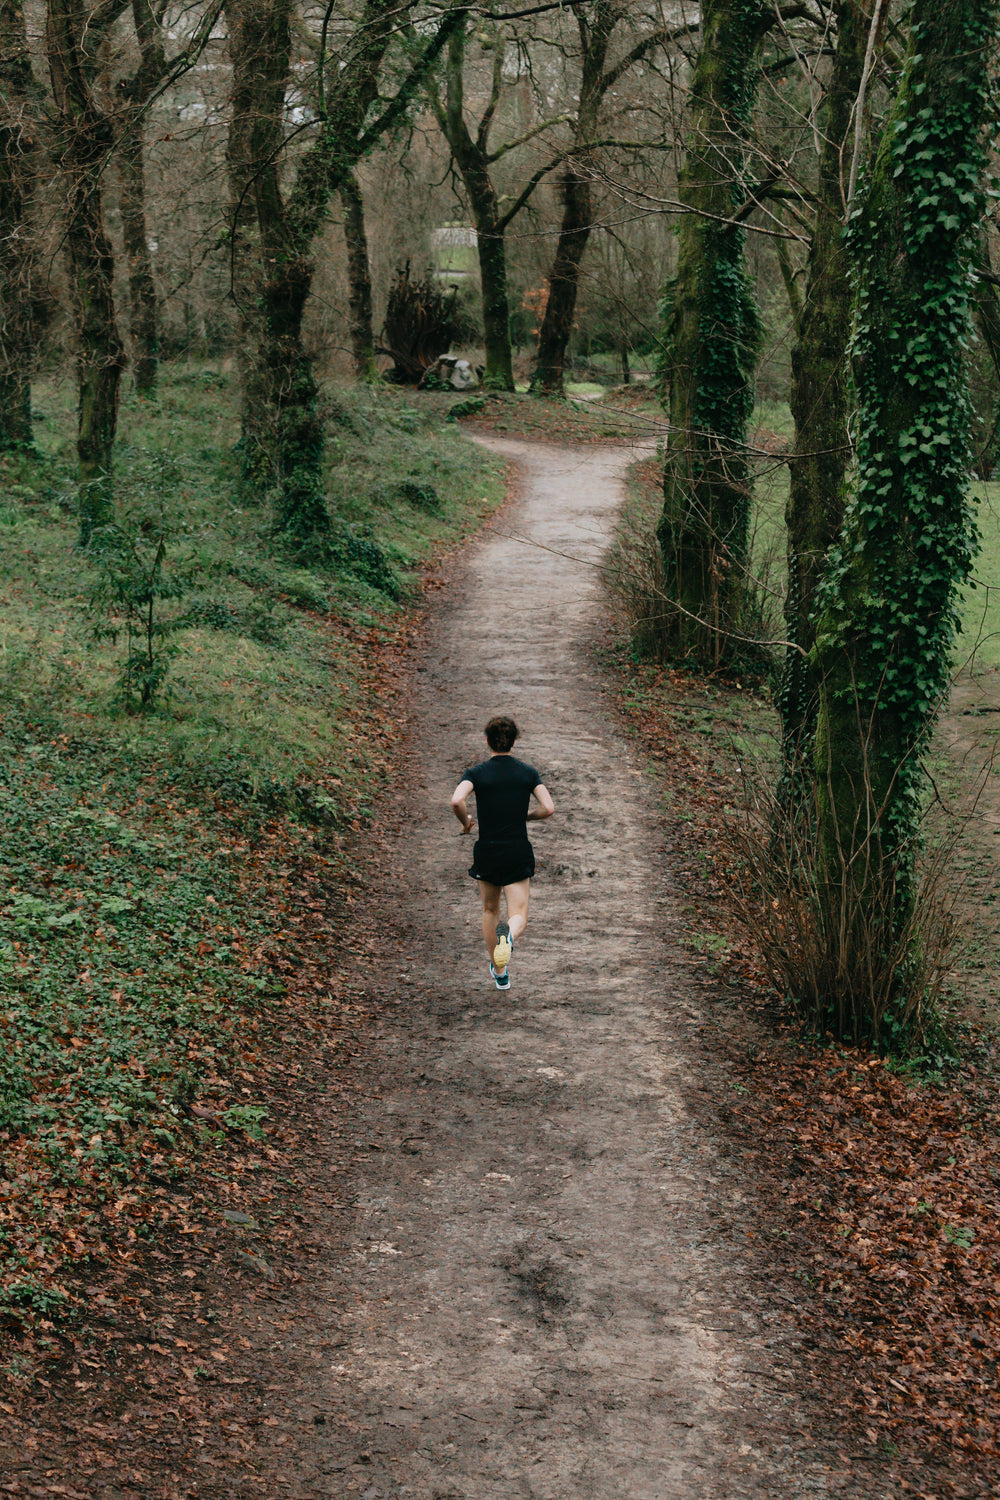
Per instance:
{"type": "Point", "coordinates": [538, 1299]}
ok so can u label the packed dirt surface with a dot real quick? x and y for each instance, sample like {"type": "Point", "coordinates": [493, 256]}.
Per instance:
{"type": "Point", "coordinates": [538, 1295]}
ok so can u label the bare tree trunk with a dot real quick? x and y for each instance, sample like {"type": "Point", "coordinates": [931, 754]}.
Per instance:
{"type": "Point", "coordinates": [86, 136]}
{"type": "Point", "coordinates": [984, 362]}
{"type": "Point", "coordinates": [18, 151]}
{"type": "Point", "coordinates": [360, 281]}
{"type": "Point", "coordinates": [144, 319]}
{"type": "Point", "coordinates": [564, 283]}
{"type": "Point", "coordinates": [597, 25]}
{"type": "Point", "coordinates": [577, 200]}
{"type": "Point", "coordinates": [472, 159]}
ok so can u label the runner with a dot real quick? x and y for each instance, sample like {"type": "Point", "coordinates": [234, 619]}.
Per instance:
{"type": "Point", "coordinates": [503, 860]}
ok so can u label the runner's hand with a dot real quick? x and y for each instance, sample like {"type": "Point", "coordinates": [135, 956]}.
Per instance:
{"type": "Point", "coordinates": [467, 828]}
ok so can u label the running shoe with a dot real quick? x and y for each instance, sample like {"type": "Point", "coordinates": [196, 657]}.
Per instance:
{"type": "Point", "coordinates": [504, 947]}
{"type": "Point", "coordinates": [502, 981]}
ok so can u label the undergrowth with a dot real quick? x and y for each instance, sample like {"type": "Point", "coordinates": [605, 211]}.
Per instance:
{"type": "Point", "coordinates": [266, 649]}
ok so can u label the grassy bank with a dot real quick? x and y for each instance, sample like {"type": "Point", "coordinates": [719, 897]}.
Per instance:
{"type": "Point", "coordinates": [146, 856]}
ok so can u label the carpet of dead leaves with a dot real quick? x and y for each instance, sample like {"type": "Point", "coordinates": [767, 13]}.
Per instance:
{"type": "Point", "coordinates": [878, 1193]}
{"type": "Point", "coordinates": [150, 1390]}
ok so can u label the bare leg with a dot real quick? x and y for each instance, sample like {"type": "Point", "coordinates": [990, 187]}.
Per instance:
{"type": "Point", "coordinates": [491, 913]}
{"type": "Point", "coordinates": [517, 906]}
{"type": "Point", "coordinates": [517, 911]}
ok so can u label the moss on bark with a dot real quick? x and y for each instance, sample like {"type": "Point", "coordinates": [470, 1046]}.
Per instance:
{"type": "Point", "coordinates": [819, 397]}
{"type": "Point", "coordinates": [19, 147]}
{"type": "Point", "coordinates": [888, 621]}
{"type": "Point", "coordinates": [712, 334]}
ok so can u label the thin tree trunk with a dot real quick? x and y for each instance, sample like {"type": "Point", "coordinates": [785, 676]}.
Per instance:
{"type": "Point", "coordinates": [282, 429]}
{"type": "Point", "coordinates": [19, 146]}
{"type": "Point", "coordinates": [819, 404]}
{"type": "Point", "coordinates": [86, 136]}
{"type": "Point", "coordinates": [564, 283]}
{"type": "Point", "coordinates": [713, 337]}
{"type": "Point", "coordinates": [490, 244]}
{"type": "Point", "coordinates": [473, 162]}
{"type": "Point", "coordinates": [577, 198]}
{"type": "Point", "coordinates": [100, 351]}
{"type": "Point", "coordinates": [884, 640]}
{"type": "Point", "coordinates": [144, 320]}
{"type": "Point", "coordinates": [359, 280]}
{"type": "Point", "coordinates": [986, 361]}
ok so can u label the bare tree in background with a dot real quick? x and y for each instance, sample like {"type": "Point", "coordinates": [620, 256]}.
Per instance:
{"type": "Point", "coordinates": [597, 24]}
{"type": "Point", "coordinates": [136, 91]}
{"type": "Point", "coordinates": [475, 159]}
{"type": "Point", "coordinates": [88, 121]}
{"type": "Point", "coordinates": [84, 137]}
{"type": "Point", "coordinates": [276, 222]}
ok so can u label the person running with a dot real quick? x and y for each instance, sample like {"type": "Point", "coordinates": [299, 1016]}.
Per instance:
{"type": "Point", "coordinates": [503, 860]}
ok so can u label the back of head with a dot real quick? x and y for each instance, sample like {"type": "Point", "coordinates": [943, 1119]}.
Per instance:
{"type": "Point", "coordinates": [501, 733]}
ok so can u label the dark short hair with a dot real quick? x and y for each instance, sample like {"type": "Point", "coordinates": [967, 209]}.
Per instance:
{"type": "Point", "coordinates": [501, 734]}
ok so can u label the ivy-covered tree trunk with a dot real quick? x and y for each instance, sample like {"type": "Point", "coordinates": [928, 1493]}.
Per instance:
{"type": "Point", "coordinates": [817, 493]}
{"type": "Point", "coordinates": [292, 403]}
{"type": "Point", "coordinates": [19, 145]}
{"type": "Point", "coordinates": [712, 335]}
{"type": "Point", "coordinates": [359, 280]}
{"type": "Point", "coordinates": [100, 351]}
{"type": "Point", "coordinates": [144, 316]}
{"type": "Point", "coordinates": [889, 619]}
{"type": "Point", "coordinates": [86, 136]}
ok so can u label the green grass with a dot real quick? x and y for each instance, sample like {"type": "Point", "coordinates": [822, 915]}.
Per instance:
{"type": "Point", "coordinates": [979, 647]}
{"type": "Point", "coordinates": [979, 644]}
{"type": "Point", "coordinates": [260, 694]}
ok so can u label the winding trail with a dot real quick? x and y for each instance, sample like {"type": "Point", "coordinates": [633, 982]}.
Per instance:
{"type": "Point", "coordinates": [540, 1300]}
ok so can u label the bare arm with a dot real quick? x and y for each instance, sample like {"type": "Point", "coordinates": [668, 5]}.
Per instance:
{"type": "Point", "coordinates": [458, 805]}
{"type": "Point", "coordinates": [546, 807]}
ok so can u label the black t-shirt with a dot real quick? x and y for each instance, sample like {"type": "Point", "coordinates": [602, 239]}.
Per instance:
{"type": "Point", "coordinates": [503, 787]}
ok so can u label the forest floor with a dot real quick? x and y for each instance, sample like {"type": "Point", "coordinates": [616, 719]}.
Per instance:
{"type": "Point", "coordinates": [583, 1240]}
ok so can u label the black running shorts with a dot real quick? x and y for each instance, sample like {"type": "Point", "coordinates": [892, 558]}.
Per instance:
{"type": "Point", "coordinates": [502, 861]}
